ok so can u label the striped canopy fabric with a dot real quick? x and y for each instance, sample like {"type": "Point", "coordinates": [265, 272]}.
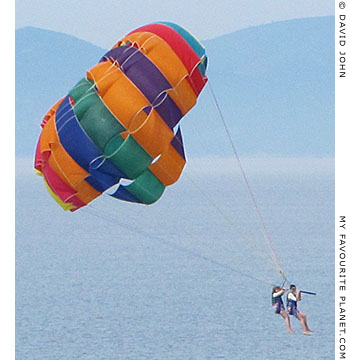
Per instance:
{"type": "Point", "coordinates": [121, 122]}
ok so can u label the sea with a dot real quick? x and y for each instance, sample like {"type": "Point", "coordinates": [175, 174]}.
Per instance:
{"type": "Point", "coordinates": [188, 277]}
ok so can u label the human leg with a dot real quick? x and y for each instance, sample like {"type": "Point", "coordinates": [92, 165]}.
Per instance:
{"type": "Point", "coordinates": [302, 318]}
{"type": "Point", "coordinates": [286, 318]}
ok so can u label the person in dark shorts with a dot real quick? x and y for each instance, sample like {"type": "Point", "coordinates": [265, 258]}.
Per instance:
{"type": "Point", "coordinates": [277, 303]}
{"type": "Point", "coordinates": [293, 296]}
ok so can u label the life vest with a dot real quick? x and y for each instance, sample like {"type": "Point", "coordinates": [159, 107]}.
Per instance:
{"type": "Point", "coordinates": [277, 300]}
{"type": "Point", "coordinates": [291, 304]}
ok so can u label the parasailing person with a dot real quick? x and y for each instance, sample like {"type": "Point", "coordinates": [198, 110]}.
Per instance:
{"type": "Point", "coordinates": [293, 296]}
{"type": "Point", "coordinates": [277, 303]}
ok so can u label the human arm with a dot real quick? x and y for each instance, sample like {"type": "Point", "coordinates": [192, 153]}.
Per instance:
{"type": "Point", "coordinates": [279, 293]}
{"type": "Point", "coordinates": [293, 297]}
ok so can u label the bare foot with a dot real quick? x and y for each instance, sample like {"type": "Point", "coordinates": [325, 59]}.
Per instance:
{"type": "Point", "coordinates": [290, 331]}
{"type": "Point", "coordinates": [307, 333]}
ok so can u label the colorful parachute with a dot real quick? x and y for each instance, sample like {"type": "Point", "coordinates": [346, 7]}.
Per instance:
{"type": "Point", "coordinates": [121, 121]}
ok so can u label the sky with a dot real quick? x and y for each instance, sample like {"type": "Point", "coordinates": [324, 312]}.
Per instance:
{"type": "Point", "coordinates": [102, 22]}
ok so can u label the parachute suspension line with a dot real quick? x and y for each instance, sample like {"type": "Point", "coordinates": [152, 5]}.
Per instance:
{"type": "Point", "coordinates": [285, 282]}
{"type": "Point", "coordinates": [264, 227]}
{"type": "Point", "coordinates": [259, 254]}
{"type": "Point", "coordinates": [175, 246]}
{"type": "Point", "coordinates": [106, 74]}
{"type": "Point", "coordinates": [267, 257]}
{"type": "Point", "coordinates": [253, 247]}
{"type": "Point", "coordinates": [99, 211]}
{"type": "Point", "coordinates": [251, 244]}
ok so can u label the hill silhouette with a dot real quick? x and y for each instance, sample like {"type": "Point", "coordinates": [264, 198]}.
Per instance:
{"type": "Point", "coordinates": [274, 84]}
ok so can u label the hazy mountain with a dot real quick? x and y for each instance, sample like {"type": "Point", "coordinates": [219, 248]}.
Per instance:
{"type": "Point", "coordinates": [48, 65]}
{"type": "Point", "coordinates": [274, 84]}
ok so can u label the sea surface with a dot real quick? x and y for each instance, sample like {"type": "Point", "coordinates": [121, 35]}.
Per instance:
{"type": "Point", "coordinates": [186, 278]}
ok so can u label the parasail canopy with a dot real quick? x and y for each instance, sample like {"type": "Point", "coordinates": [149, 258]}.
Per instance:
{"type": "Point", "coordinates": [122, 120]}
